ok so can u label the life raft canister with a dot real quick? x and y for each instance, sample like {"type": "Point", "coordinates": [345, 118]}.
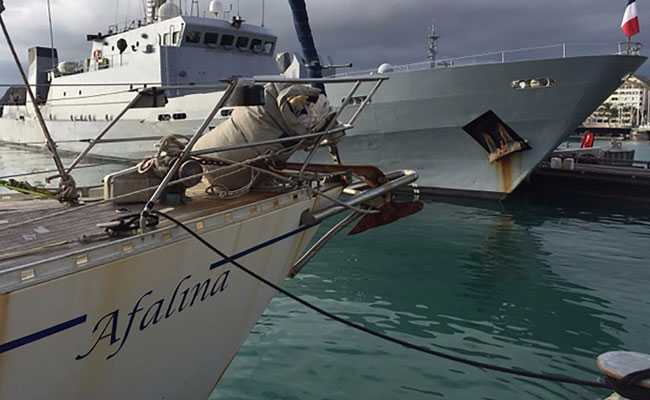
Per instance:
{"type": "Point", "coordinates": [587, 140]}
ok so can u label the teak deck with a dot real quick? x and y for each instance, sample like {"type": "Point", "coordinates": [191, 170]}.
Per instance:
{"type": "Point", "coordinates": [27, 243]}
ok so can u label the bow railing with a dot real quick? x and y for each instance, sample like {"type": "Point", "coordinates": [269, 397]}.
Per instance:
{"type": "Point", "coordinates": [560, 50]}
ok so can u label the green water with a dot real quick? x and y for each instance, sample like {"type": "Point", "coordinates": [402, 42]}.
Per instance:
{"type": "Point", "coordinates": [545, 286]}
{"type": "Point", "coordinates": [18, 161]}
{"type": "Point", "coordinates": [535, 286]}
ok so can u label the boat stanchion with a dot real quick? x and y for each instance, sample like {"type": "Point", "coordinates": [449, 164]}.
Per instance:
{"type": "Point", "coordinates": [312, 152]}
{"type": "Point", "coordinates": [145, 98]}
{"type": "Point", "coordinates": [386, 213]}
{"type": "Point", "coordinates": [185, 154]}
{"type": "Point", "coordinates": [404, 178]}
{"type": "Point", "coordinates": [318, 246]}
{"type": "Point", "coordinates": [68, 190]}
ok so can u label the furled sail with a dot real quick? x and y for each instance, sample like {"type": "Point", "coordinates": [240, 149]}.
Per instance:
{"type": "Point", "coordinates": [288, 111]}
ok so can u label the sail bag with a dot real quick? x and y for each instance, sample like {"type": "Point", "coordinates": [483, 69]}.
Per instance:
{"type": "Point", "coordinates": [288, 111]}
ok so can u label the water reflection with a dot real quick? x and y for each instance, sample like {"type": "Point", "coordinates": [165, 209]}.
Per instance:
{"type": "Point", "coordinates": [516, 284]}
{"type": "Point", "coordinates": [15, 160]}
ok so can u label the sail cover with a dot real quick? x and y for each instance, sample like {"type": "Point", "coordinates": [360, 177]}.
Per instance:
{"type": "Point", "coordinates": [288, 111]}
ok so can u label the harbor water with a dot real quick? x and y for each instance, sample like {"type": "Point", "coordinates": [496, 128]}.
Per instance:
{"type": "Point", "coordinates": [541, 287]}
{"type": "Point", "coordinates": [535, 285]}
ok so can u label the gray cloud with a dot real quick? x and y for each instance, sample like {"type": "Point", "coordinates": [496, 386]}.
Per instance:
{"type": "Point", "coordinates": [365, 32]}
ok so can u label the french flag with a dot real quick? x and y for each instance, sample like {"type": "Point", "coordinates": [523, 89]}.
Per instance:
{"type": "Point", "coordinates": [630, 24]}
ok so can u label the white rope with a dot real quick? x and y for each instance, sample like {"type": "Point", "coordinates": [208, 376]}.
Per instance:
{"type": "Point", "coordinates": [226, 193]}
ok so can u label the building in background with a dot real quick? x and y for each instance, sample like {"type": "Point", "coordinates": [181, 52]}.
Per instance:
{"type": "Point", "coordinates": [627, 107]}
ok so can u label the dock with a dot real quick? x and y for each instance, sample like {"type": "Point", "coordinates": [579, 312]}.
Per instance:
{"type": "Point", "coordinates": [628, 183]}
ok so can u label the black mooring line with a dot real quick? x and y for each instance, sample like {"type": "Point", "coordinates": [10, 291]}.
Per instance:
{"type": "Point", "coordinates": [385, 337]}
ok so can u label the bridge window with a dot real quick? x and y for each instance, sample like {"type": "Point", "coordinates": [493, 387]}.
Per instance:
{"type": "Point", "coordinates": [268, 47]}
{"type": "Point", "coordinates": [193, 37]}
{"type": "Point", "coordinates": [242, 43]}
{"type": "Point", "coordinates": [256, 45]}
{"type": "Point", "coordinates": [164, 117]}
{"type": "Point", "coordinates": [211, 39]}
{"type": "Point", "coordinates": [227, 40]}
{"type": "Point", "coordinates": [166, 39]}
{"type": "Point", "coordinates": [180, 116]}
{"type": "Point", "coordinates": [176, 37]}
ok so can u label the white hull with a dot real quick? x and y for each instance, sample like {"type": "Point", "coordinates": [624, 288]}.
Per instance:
{"type": "Point", "coordinates": [17, 128]}
{"type": "Point", "coordinates": [415, 120]}
{"type": "Point", "coordinates": [116, 342]}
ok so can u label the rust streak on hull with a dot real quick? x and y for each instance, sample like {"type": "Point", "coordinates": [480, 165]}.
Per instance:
{"type": "Point", "coordinates": [504, 169]}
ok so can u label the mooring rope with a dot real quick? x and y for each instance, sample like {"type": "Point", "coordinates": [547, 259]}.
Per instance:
{"type": "Point", "coordinates": [145, 190]}
{"type": "Point", "coordinates": [409, 345]}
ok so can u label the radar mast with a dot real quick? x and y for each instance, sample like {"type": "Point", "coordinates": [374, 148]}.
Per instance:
{"type": "Point", "coordinates": [432, 43]}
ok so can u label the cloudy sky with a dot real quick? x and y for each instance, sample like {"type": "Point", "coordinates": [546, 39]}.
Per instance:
{"type": "Point", "coordinates": [365, 32]}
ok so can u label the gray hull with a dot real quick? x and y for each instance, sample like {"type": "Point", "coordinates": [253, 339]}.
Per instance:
{"type": "Point", "coordinates": [416, 118]}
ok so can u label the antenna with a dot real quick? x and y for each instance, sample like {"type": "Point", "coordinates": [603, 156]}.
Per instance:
{"type": "Point", "coordinates": [238, 13]}
{"type": "Point", "coordinates": [432, 42]}
{"type": "Point", "coordinates": [195, 3]}
{"type": "Point", "coordinates": [263, 9]}
{"type": "Point", "coordinates": [117, 13]}
{"type": "Point", "coordinates": [150, 14]}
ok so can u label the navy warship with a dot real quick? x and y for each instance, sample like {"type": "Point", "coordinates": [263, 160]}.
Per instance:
{"type": "Point", "coordinates": [423, 113]}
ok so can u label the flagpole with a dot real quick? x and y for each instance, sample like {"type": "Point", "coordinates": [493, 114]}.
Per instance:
{"type": "Point", "coordinates": [630, 24]}
{"type": "Point", "coordinates": [629, 45]}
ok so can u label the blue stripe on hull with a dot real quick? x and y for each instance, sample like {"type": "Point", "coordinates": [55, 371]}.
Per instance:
{"type": "Point", "coordinates": [34, 337]}
{"type": "Point", "coordinates": [261, 246]}
{"type": "Point", "coordinates": [25, 340]}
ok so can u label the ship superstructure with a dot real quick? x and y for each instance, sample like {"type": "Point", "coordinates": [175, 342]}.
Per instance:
{"type": "Point", "coordinates": [166, 49]}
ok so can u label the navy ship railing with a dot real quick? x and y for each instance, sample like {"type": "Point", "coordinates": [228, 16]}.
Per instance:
{"type": "Point", "coordinates": [560, 50]}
